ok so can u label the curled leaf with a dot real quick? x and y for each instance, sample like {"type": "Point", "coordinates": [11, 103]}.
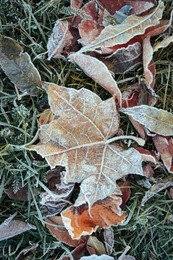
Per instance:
{"type": "Point", "coordinates": [18, 67]}
{"type": "Point", "coordinates": [164, 146]}
{"type": "Point", "coordinates": [103, 214]}
{"type": "Point", "coordinates": [98, 72]}
{"type": "Point", "coordinates": [156, 120]}
{"type": "Point", "coordinates": [162, 44]}
{"type": "Point", "coordinates": [59, 38]}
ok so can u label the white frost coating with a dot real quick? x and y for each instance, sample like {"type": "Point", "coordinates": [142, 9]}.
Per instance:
{"type": "Point", "coordinates": [96, 257]}
{"type": "Point", "coordinates": [156, 120]}
{"type": "Point", "coordinates": [98, 71]}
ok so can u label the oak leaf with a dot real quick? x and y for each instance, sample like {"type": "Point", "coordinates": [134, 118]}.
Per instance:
{"type": "Point", "coordinates": [156, 120]}
{"type": "Point", "coordinates": [80, 140]}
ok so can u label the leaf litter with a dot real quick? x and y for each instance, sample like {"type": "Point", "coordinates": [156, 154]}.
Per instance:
{"type": "Point", "coordinates": [80, 131]}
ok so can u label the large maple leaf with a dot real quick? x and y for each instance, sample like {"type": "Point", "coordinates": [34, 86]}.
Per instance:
{"type": "Point", "coordinates": [79, 138]}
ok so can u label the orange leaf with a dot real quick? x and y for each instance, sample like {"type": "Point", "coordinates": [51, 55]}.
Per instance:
{"type": "Point", "coordinates": [103, 214]}
{"type": "Point", "coordinates": [56, 227]}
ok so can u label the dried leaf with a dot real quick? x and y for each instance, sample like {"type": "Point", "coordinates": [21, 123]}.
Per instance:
{"type": "Point", "coordinates": [97, 245]}
{"type": "Point", "coordinates": [109, 239]}
{"type": "Point", "coordinates": [76, 254]}
{"type": "Point", "coordinates": [125, 190]}
{"type": "Point", "coordinates": [103, 214]}
{"type": "Point", "coordinates": [156, 188]}
{"type": "Point", "coordinates": [18, 67]}
{"type": "Point", "coordinates": [22, 194]}
{"type": "Point", "coordinates": [156, 120]}
{"type": "Point", "coordinates": [124, 59]}
{"type": "Point", "coordinates": [58, 194]}
{"type": "Point", "coordinates": [46, 117]}
{"type": "Point", "coordinates": [122, 33]}
{"type": "Point", "coordinates": [83, 146]}
{"type": "Point", "coordinates": [56, 227]}
{"type": "Point", "coordinates": [59, 38]}
{"type": "Point", "coordinates": [162, 44]}
{"type": "Point", "coordinates": [164, 146]}
{"type": "Point", "coordinates": [98, 72]}
{"type": "Point", "coordinates": [149, 68]}
{"type": "Point", "coordinates": [10, 228]}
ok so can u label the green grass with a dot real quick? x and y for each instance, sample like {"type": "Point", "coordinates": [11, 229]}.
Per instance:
{"type": "Point", "coordinates": [149, 231]}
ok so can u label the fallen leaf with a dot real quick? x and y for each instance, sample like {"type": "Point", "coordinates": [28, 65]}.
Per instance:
{"type": "Point", "coordinates": [57, 229]}
{"type": "Point", "coordinates": [156, 188]}
{"type": "Point", "coordinates": [18, 67]}
{"type": "Point", "coordinates": [164, 146]}
{"type": "Point", "coordinates": [103, 214]}
{"type": "Point", "coordinates": [22, 194]}
{"type": "Point", "coordinates": [125, 190]}
{"type": "Point", "coordinates": [79, 141]}
{"type": "Point", "coordinates": [109, 239]}
{"type": "Point", "coordinates": [156, 120]}
{"type": "Point", "coordinates": [46, 117]}
{"type": "Point", "coordinates": [10, 228]}
{"type": "Point", "coordinates": [122, 33]}
{"type": "Point", "coordinates": [59, 38]}
{"type": "Point", "coordinates": [124, 59]}
{"type": "Point", "coordinates": [148, 64]}
{"type": "Point", "coordinates": [56, 198]}
{"type": "Point", "coordinates": [96, 245]}
{"type": "Point", "coordinates": [98, 71]}
{"type": "Point", "coordinates": [162, 44]}
{"type": "Point", "coordinates": [76, 253]}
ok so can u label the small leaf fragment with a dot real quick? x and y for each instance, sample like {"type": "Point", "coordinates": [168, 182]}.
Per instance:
{"type": "Point", "coordinates": [162, 44]}
{"type": "Point", "coordinates": [164, 146]}
{"type": "Point", "coordinates": [156, 120]}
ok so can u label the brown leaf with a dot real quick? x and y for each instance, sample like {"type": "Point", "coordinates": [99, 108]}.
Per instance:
{"type": "Point", "coordinates": [57, 197]}
{"type": "Point", "coordinates": [80, 140]}
{"type": "Point", "coordinates": [124, 59]}
{"type": "Point", "coordinates": [77, 253]}
{"type": "Point", "coordinates": [164, 146]}
{"type": "Point", "coordinates": [109, 240]}
{"type": "Point", "coordinates": [22, 194]}
{"type": "Point", "coordinates": [103, 214]}
{"type": "Point", "coordinates": [156, 120]}
{"type": "Point", "coordinates": [10, 228]}
{"type": "Point", "coordinates": [59, 38]}
{"type": "Point", "coordinates": [97, 71]}
{"type": "Point", "coordinates": [18, 67]}
{"type": "Point", "coordinates": [122, 33]}
{"type": "Point", "coordinates": [46, 117]}
{"type": "Point", "coordinates": [96, 245]}
{"type": "Point", "coordinates": [56, 227]}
